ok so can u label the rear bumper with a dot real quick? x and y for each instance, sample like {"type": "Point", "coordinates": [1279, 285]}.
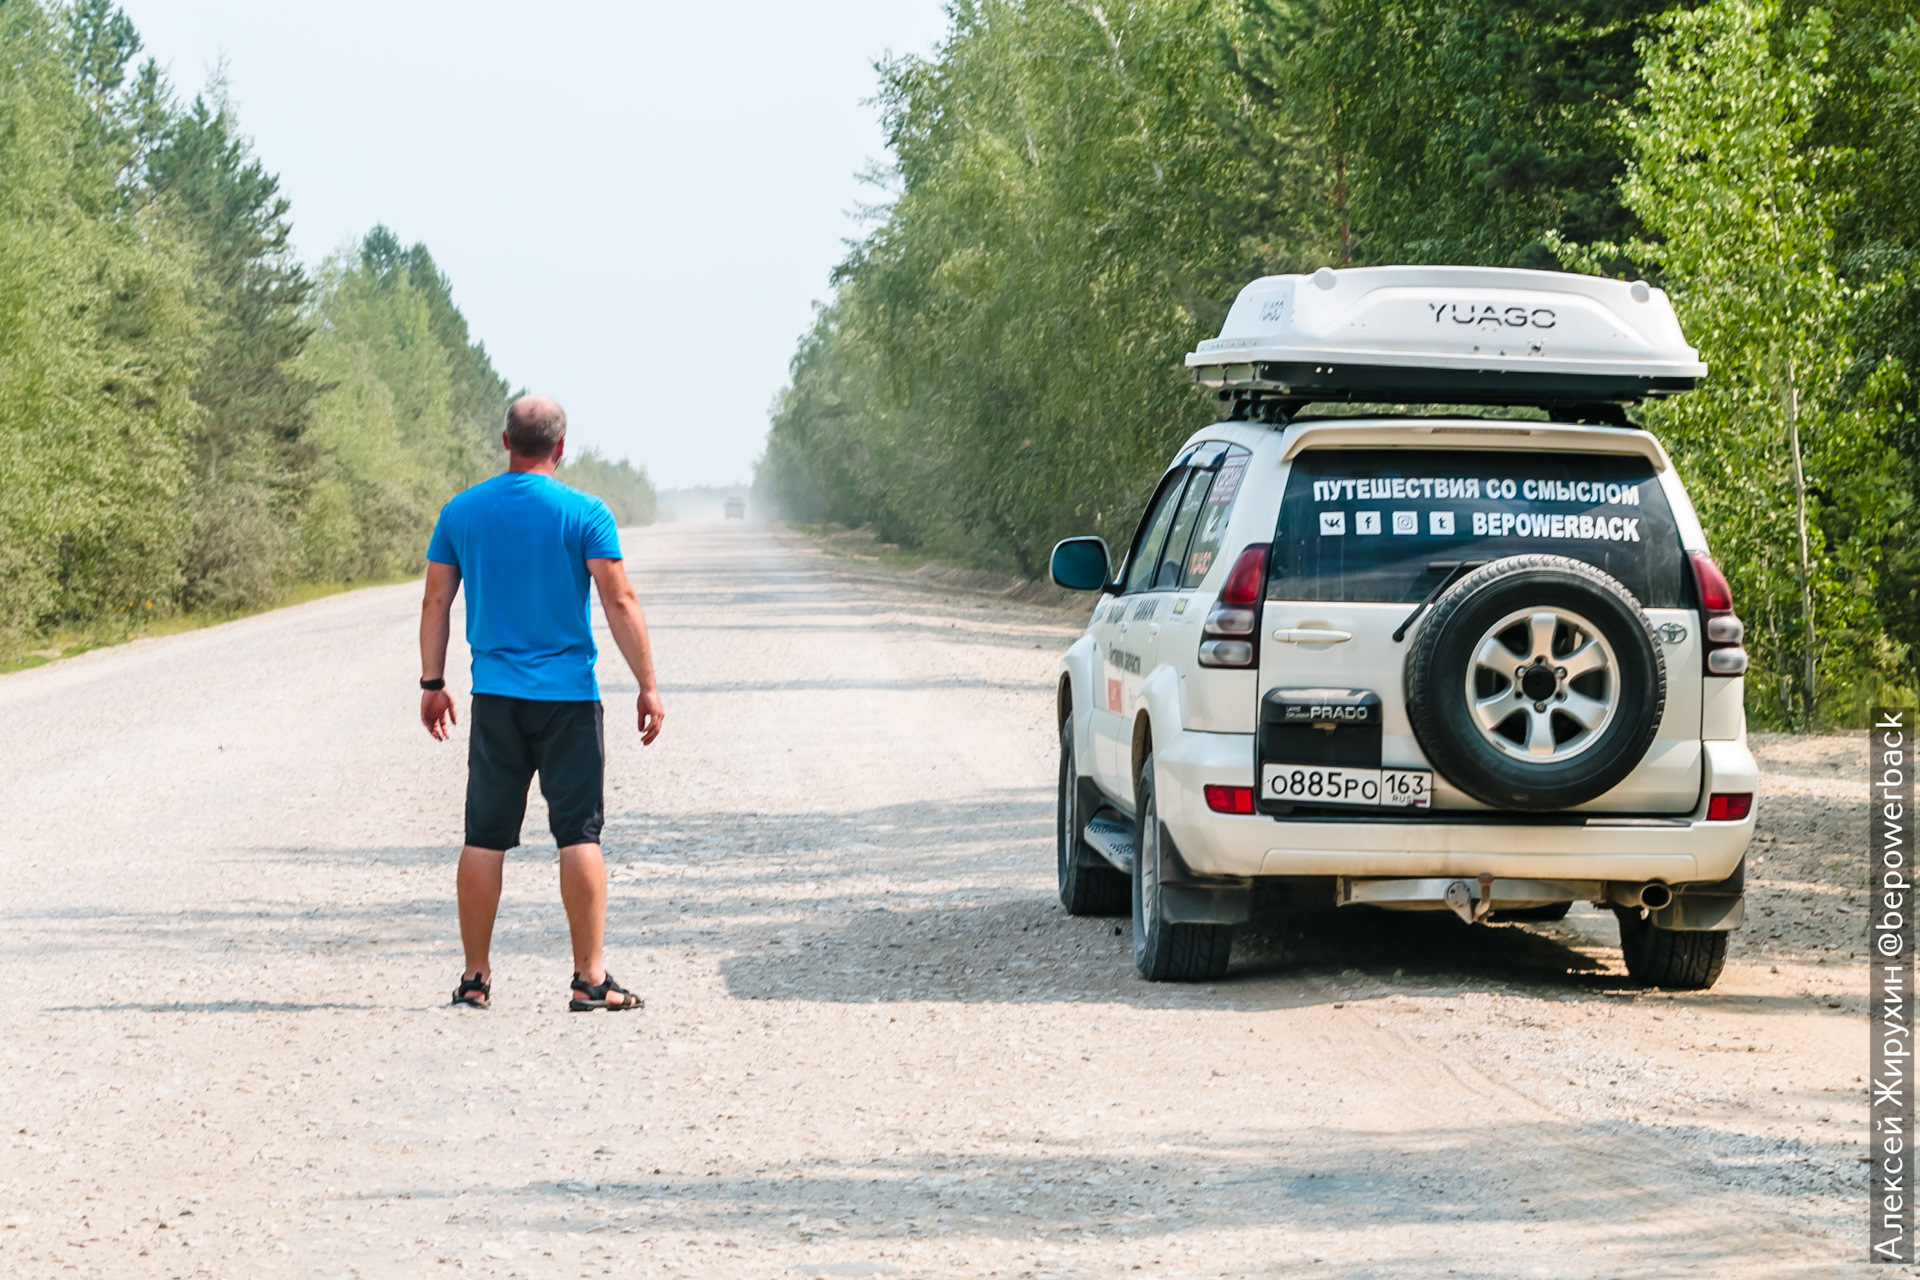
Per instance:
{"type": "Point", "coordinates": [1677, 850]}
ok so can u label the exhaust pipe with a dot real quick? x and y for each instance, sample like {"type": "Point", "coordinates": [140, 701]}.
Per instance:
{"type": "Point", "coordinates": [1652, 895]}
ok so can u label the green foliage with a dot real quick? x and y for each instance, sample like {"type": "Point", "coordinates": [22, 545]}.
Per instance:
{"type": "Point", "coordinates": [98, 339]}
{"type": "Point", "coordinates": [190, 422]}
{"type": "Point", "coordinates": [1461, 131]}
{"type": "Point", "coordinates": [1081, 190]}
{"type": "Point", "coordinates": [411, 412]}
{"type": "Point", "coordinates": [1789, 459]}
{"type": "Point", "coordinates": [621, 485]}
{"type": "Point", "coordinates": [1869, 125]}
{"type": "Point", "coordinates": [247, 452]}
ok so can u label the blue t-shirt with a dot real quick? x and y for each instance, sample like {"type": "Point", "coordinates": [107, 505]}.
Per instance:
{"type": "Point", "coordinates": [521, 542]}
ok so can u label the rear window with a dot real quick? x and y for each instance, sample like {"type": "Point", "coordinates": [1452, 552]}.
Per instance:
{"type": "Point", "coordinates": [1387, 524]}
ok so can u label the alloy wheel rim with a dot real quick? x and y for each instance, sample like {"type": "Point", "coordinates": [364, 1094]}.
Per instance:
{"type": "Point", "coordinates": [1543, 685]}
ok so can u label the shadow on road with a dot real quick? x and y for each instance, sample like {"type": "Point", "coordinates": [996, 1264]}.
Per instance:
{"type": "Point", "coordinates": [1319, 1179]}
{"type": "Point", "coordinates": [945, 902]}
{"type": "Point", "coordinates": [206, 1006]}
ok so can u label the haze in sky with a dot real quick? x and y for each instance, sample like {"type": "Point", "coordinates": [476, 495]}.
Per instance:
{"type": "Point", "coordinates": [637, 203]}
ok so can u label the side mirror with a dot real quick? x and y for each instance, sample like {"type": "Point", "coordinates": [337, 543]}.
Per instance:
{"type": "Point", "coordinates": [1081, 564]}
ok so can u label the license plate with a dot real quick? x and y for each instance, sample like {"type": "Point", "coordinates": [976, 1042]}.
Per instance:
{"type": "Point", "coordinates": [1318, 784]}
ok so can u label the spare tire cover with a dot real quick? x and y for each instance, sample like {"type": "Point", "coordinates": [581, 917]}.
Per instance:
{"type": "Point", "coordinates": [1535, 683]}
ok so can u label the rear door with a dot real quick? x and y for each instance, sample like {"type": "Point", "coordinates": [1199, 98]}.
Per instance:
{"type": "Point", "coordinates": [1126, 629]}
{"type": "Point", "coordinates": [1365, 535]}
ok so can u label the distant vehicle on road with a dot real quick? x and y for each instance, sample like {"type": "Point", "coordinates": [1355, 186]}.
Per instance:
{"type": "Point", "coordinates": [736, 509]}
{"type": "Point", "coordinates": [1415, 662]}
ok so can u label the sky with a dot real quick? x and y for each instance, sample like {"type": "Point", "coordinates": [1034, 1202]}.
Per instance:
{"type": "Point", "coordinates": [638, 203]}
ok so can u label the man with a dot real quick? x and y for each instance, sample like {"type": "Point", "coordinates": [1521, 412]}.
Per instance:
{"type": "Point", "coordinates": [526, 545]}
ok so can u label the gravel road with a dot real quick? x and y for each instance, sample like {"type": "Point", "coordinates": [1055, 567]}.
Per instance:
{"type": "Point", "coordinates": [873, 1043]}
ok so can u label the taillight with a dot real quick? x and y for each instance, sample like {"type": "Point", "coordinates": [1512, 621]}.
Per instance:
{"type": "Point", "coordinates": [1226, 640]}
{"type": "Point", "coordinates": [1729, 806]}
{"type": "Point", "coordinates": [1725, 655]}
{"type": "Point", "coordinates": [1247, 582]}
{"type": "Point", "coordinates": [1229, 799]}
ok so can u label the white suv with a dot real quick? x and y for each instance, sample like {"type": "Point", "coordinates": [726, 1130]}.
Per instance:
{"type": "Point", "coordinates": [1468, 663]}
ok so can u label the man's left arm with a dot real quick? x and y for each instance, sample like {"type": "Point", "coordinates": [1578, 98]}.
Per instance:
{"type": "Point", "coordinates": [436, 629]}
{"type": "Point", "coordinates": [629, 626]}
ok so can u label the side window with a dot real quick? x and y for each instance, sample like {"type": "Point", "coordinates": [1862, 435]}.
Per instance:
{"type": "Point", "coordinates": [1175, 552]}
{"type": "Point", "coordinates": [1145, 560]}
{"type": "Point", "coordinates": [1212, 523]}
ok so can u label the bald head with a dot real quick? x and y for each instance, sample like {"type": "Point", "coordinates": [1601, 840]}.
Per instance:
{"type": "Point", "coordinates": [535, 426]}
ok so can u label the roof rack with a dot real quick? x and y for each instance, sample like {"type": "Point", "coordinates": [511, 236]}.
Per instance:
{"type": "Point", "coordinates": [1580, 347]}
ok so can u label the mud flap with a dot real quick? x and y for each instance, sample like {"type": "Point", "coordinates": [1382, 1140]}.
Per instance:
{"type": "Point", "coordinates": [1706, 908]}
{"type": "Point", "coordinates": [1189, 899]}
{"type": "Point", "coordinates": [1700, 913]}
{"type": "Point", "coordinates": [1207, 902]}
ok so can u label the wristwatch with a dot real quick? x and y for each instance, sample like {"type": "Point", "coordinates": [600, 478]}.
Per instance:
{"type": "Point", "coordinates": [433, 686]}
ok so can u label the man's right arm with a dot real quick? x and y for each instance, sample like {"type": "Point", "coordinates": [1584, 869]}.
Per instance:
{"type": "Point", "coordinates": [629, 627]}
{"type": "Point", "coordinates": [436, 629]}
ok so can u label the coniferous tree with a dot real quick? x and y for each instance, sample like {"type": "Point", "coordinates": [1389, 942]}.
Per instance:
{"type": "Point", "coordinates": [248, 451]}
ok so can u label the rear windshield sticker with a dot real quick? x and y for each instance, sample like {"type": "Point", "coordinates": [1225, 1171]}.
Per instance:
{"type": "Point", "coordinates": [1378, 488]}
{"type": "Point", "coordinates": [1358, 525]}
{"type": "Point", "coordinates": [1213, 521]}
{"type": "Point", "coordinates": [1490, 524]}
{"type": "Point", "coordinates": [1507, 524]}
{"type": "Point", "coordinates": [1227, 483]}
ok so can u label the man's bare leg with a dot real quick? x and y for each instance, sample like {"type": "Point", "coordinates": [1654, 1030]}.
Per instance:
{"type": "Point", "coordinates": [479, 892]}
{"type": "Point", "coordinates": [583, 888]}
{"type": "Point", "coordinates": [583, 891]}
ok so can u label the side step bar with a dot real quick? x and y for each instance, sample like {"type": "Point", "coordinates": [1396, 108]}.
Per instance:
{"type": "Point", "coordinates": [1112, 839]}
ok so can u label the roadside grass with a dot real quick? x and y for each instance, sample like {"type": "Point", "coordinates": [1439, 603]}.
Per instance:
{"type": "Point", "coordinates": [861, 544]}
{"type": "Point", "coordinates": [38, 651]}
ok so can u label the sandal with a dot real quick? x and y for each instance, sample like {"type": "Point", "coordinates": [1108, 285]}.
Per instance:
{"type": "Point", "coordinates": [593, 995]}
{"type": "Point", "coordinates": [473, 993]}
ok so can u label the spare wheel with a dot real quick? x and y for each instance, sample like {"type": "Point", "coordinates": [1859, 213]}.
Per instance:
{"type": "Point", "coordinates": [1535, 683]}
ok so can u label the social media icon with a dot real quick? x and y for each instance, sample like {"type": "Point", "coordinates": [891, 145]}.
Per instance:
{"type": "Point", "coordinates": [1332, 523]}
{"type": "Point", "coordinates": [1366, 522]}
{"type": "Point", "coordinates": [1406, 522]}
{"type": "Point", "coordinates": [1440, 523]}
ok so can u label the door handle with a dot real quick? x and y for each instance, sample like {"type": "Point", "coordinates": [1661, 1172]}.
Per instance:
{"type": "Point", "coordinates": [1153, 629]}
{"type": "Point", "coordinates": [1123, 628]}
{"type": "Point", "coordinates": [1311, 635]}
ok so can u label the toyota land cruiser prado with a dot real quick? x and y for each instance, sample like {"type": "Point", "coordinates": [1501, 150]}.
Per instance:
{"type": "Point", "coordinates": [1467, 663]}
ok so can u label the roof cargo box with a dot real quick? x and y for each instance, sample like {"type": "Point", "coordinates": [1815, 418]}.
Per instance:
{"type": "Point", "coordinates": [1448, 335]}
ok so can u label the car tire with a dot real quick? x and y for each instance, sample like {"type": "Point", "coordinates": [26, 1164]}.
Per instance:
{"type": "Point", "coordinates": [1586, 695]}
{"type": "Point", "coordinates": [1669, 958]}
{"type": "Point", "coordinates": [1088, 886]}
{"type": "Point", "coordinates": [1534, 915]}
{"type": "Point", "coordinates": [1164, 952]}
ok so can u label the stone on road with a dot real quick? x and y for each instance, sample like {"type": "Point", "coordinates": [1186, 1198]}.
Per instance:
{"type": "Point", "coordinates": [873, 1043]}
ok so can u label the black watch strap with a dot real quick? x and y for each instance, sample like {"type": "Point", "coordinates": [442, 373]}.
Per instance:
{"type": "Point", "coordinates": [433, 686]}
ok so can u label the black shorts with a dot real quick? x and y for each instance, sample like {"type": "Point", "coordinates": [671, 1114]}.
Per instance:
{"type": "Point", "coordinates": [510, 740]}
